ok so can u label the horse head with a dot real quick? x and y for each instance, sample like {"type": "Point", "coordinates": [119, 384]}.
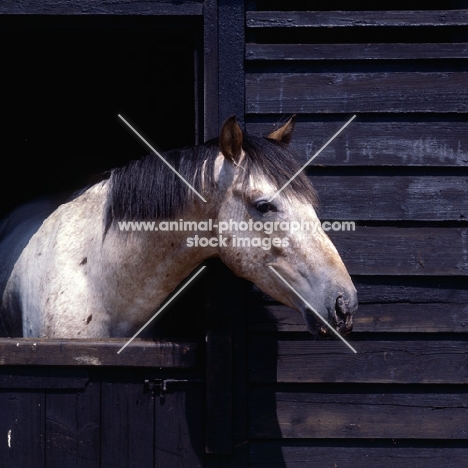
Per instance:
{"type": "Point", "coordinates": [266, 217]}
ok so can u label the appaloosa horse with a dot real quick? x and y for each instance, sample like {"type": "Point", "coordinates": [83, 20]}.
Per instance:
{"type": "Point", "coordinates": [73, 272]}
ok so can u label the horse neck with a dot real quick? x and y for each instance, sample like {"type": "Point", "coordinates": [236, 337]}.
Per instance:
{"type": "Point", "coordinates": [145, 266]}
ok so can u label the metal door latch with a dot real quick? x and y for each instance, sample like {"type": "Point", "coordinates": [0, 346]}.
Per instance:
{"type": "Point", "coordinates": [159, 387]}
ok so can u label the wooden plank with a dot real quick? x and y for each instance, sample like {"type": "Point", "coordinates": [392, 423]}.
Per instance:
{"type": "Point", "coordinates": [396, 290]}
{"type": "Point", "coordinates": [210, 69]}
{"type": "Point", "coordinates": [231, 43]}
{"type": "Point", "coordinates": [416, 415]}
{"type": "Point", "coordinates": [393, 197]}
{"type": "Point", "coordinates": [43, 378]}
{"type": "Point", "coordinates": [394, 141]}
{"type": "Point", "coordinates": [357, 454]}
{"type": "Point", "coordinates": [308, 360]}
{"type": "Point", "coordinates": [127, 422]}
{"type": "Point", "coordinates": [417, 289]}
{"type": "Point", "coordinates": [349, 92]}
{"type": "Point", "coordinates": [44, 352]}
{"type": "Point", "coordinates": [111, 7]}
{"type": "Point", "coordinates": [226, 370]}
{"type": "Point", "coordinates": [219, 362]}
{"type": "Point", "coordinates": [403, 251]}
{"type": "Point", "coordinates": [73, 428]}
{"type": "Point", "coordinates": [395, 51]}
{"type": "Point", "coordinates": [373, 318]}
{"type": "Point", "coordinates": [179, 438]}
{"type": "Point", "coordinates": [22, 429]}
{"type": "Point", "coordinates": [353, 19]}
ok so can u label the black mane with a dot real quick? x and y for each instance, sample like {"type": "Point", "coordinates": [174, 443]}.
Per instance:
{"type": "Point", "coordinates": [147, 189]}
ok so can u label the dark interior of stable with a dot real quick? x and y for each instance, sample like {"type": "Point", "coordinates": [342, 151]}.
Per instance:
{"type": "Point", "coordinates": [64, 82]}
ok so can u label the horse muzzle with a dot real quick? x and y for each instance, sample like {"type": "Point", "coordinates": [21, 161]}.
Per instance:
{"type": "Point", "coordinates": [340, 317]}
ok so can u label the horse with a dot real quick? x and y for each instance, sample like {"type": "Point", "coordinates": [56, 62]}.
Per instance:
{"type": "Point", "coordinates": [78, 271]}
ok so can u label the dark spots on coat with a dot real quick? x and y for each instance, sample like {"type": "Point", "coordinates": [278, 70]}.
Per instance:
{"type": "Point", "coordinates": [89, 319]}
{"type": "Point", "coordinates": [84, 261]}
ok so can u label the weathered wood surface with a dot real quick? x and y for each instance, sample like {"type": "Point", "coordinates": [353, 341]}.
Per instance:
{"type": "Point", "coordinates": [43, 378]}
{"type": "Point", "coordinates": [294, 52]}
{"type": "Point", "coordinates": [180, 444]}
{"type": "Point", "coordinates": [390, 141]}
{"type": "Point", "coordinates": [416, 415]}
{"type": "Point", "coordinates": [127, 423]}
{"type": "Point", "coordinates": [351, 92]}
{"type": "Point", "coordinates": [397, 290]}
{"type": "Point", "coordinates": [98, 418]}
{"type": "Point", "coordinates": [23, 428]}
{"type": "Point", "coordinates": [219, 359]}
{"type": "Point", "coordinates": [110, 7]}
{"type": "Point", "coordinates": [72, 429]}
{"type": "Point", "coordinates": [307, 360]}
{"type": "Point", "coordinates": [226, 423]}
{"type": "Point", "coordinates": [373, 318]}
{"type": "Point", "coordinates": [358, 454]}
{"type": "Point", "coordinates": [210, 70]}
{"type": "Point", "coordinates": [380, 415]}
{"type": "Point", "coordinates": [231, 43]}
{"type": "Point", "coordinates": [392, 197]}
{"type": "Point", "coordinates": [412, 289]}
{"type": "Point", "coordinates": [403, 251]}
{"type": "Point", "coordinates": [42, 352]}
{"type": "Point", "coordinates": [332, 407]}
{"type": "Point", "coordinates": [356, 19]}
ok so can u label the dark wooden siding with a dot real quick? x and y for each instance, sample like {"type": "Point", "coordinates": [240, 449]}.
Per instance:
{"type": "Point", "coordinates": [91, 407]}
{"type": "Point", "coordinates": [400, 172]}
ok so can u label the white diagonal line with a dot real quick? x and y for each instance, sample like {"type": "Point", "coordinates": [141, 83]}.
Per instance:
{"type": "Point", "coordinates": [161, 309]}
{"type": "Point", "coordinates": [160, 157]}
{"type": "Point", "coordinates": [313, 310]}
{"type": "Point", "coordinates": [312, 158]}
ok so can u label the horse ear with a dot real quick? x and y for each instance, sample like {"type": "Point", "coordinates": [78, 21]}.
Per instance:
{"type": "Point", "coordinates": [284, 133]}
{"type": "Point", "coordinates": [230, 139]}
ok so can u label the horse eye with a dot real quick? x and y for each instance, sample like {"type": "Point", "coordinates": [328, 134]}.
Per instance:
{"type": "Point", "coordinates": [264, 207]}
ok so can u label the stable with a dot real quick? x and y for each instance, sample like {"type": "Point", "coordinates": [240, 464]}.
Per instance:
{"type": "Point", "coordinates": [233, 378]}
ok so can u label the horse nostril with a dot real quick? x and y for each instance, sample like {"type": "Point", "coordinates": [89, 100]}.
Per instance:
{"type": "Point", "coordinates": [342, 306]}
{"type": "Point", "coordinates": [343, 316]}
